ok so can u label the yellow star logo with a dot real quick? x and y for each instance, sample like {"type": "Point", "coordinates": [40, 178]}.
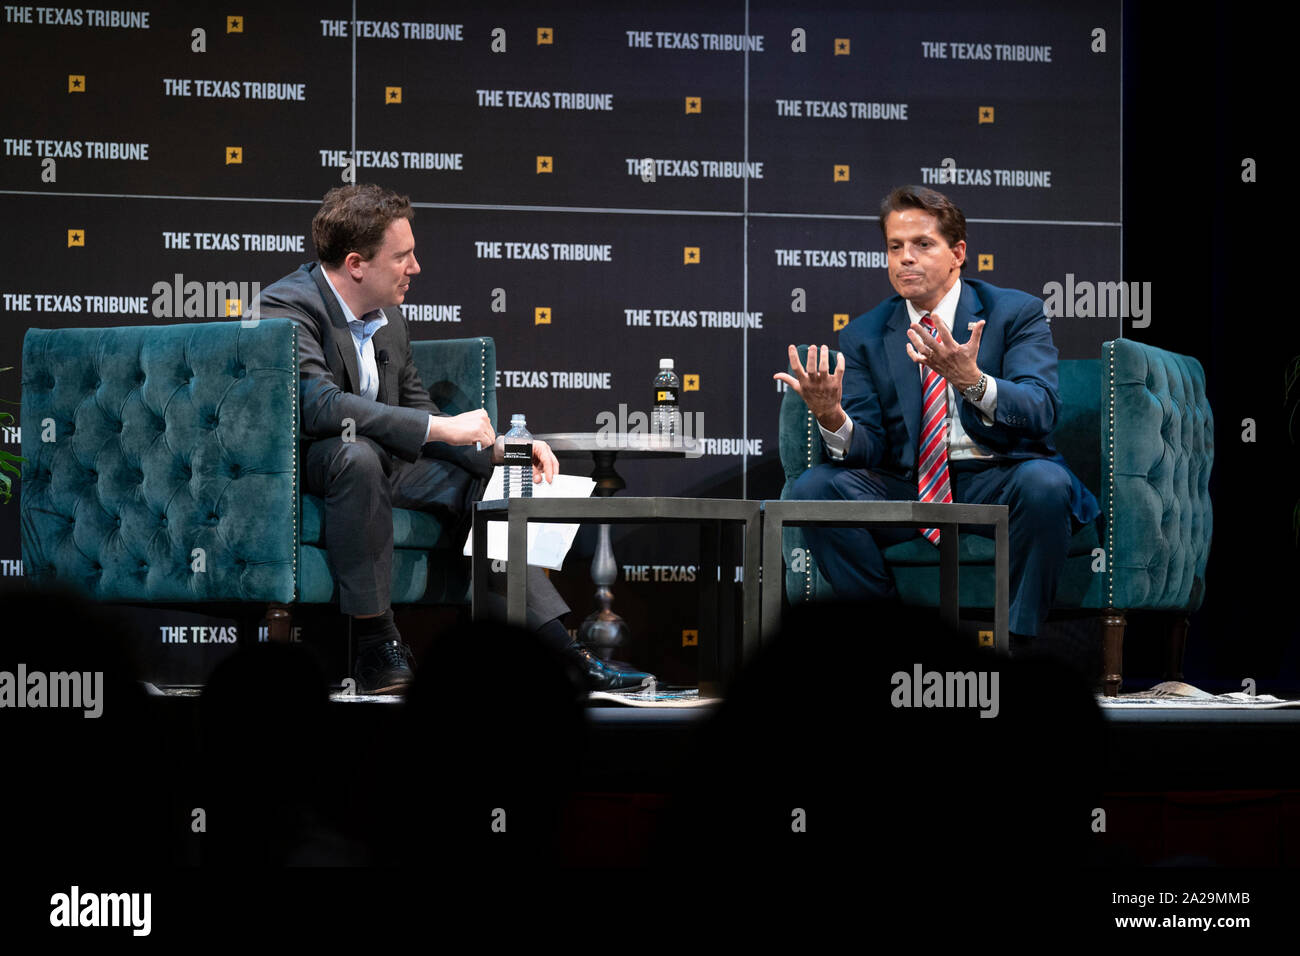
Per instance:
{"type": "Point", "coordinates": [76, 82]}
{"type": "Point", "coordinates": [234, 307]}
{"type": "Point", "coordinates": [691, 383]}
{"type": "Point", "coordinates": [690, 638]}
{"type": "Point", "coordinates": [839, 320]}
{"type": "Point", "coordinates": [841, 46]}
{"type": "Point", "coordinates": [545, 36]}
{"type": "Point", "coordinates": [76, 237]}
{"type": "Point", "coordinates": [234, 155]}
{"type": "Point", "coordinates": [691, 255]}
{"type": "Point", "coordinates": [985, 260]}
{"type": "Point", "coordinates": [234, 24]}
{"type": "Point", "coordinates": [693, 104]}
{"type": "Point", "coordinates": [986, 114]}
{"type": "Point", "coordinates": [541, 315]}
{"type": "Point", "coordinates": [841, 174]}
{"type": "Point", "coordinates": [392, 95]}
{"type": "Point", "coordinates": [545, 164]}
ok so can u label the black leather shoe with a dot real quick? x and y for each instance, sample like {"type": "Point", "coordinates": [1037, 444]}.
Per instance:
{"type": "Point", "coordinates": [385, 668]}
{"type": "Point", "coordinates": [599, 675]}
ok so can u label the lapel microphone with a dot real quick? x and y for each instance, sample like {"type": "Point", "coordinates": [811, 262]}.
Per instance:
{"type": "Point", "coordinates": [382, 358]}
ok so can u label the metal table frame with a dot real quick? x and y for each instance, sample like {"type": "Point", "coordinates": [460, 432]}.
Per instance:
{"type": "Point", "coordinates": [891, 514]}
{"type": "Point", "coordinates": [717, 624]}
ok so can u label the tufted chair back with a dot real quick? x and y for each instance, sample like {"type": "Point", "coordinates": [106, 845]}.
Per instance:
{"type": "Point", "coordinates": [162, 461]}
{"type": "Point", "coordinates": [1157, 436]}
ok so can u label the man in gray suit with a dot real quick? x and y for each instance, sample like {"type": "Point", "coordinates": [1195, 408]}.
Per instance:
{"type": "Point", "coordinates": [376, 440]}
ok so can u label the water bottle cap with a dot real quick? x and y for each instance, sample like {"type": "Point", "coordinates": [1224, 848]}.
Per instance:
{"type": "Point", "coordinates": [665, 363]}
{"type": "Point", "coordinates": [516, 419]}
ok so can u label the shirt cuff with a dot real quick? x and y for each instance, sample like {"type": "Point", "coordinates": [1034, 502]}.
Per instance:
{"type": "Point", "coordinates": [837, 442]}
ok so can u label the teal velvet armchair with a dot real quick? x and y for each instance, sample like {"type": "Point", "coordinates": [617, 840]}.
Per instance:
{"type": "Point", "coordinates": [162, 468]}
{"type": "Point", "coordinates": [1137, 429]}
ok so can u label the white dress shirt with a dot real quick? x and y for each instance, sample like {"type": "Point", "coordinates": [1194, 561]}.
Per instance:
{"type": "Point", "coordinates": [363, 331]}
{"type": "Point", "coordinates": [960, 444]}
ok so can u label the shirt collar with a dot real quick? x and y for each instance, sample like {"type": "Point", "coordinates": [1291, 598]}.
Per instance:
{"type": "Point", "coordinates": [946, 310]}
{"type": "Point", "coordinates": [366, 326]}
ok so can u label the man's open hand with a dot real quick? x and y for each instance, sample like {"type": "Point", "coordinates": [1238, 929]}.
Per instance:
{"type": "Point", "coordinates": [463, 429]}
{"type": "Point", "coordinates": [956, 363]}
{"type": "Point", "coordinates": [819, 387]}
{"type": "Point", "coordinates": [545, 465]}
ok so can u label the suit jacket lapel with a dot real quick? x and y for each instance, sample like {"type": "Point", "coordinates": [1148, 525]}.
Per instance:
{"type": "Point", "coordinates": [340, 333]}
{"type": "Point", "coordinates": [385, 341]}
{"type": "Point", "coordinates": [907, 377]}
{"type": "Point", "coordinates": [969, 308]}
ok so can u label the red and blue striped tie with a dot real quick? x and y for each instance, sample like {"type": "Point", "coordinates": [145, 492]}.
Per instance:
{"type": "Point", "coordinates": [932, 480]}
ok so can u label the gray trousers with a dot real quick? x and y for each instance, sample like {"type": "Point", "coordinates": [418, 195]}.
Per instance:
{"type": "Point", "coordinates": [361, 484]}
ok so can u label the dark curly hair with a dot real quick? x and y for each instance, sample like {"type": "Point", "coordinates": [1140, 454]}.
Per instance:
{"type": "Point", "coordinates": [354, 219]}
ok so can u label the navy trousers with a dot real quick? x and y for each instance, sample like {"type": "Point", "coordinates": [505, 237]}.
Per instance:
{"type": "Point", "coordinates": [1040, 525]}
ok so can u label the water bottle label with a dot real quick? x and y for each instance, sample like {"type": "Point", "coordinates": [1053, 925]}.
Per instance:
{"type": "Point", "coordinates": [665, 395]}
{"type": "Point", "coordinates": [519, 454]}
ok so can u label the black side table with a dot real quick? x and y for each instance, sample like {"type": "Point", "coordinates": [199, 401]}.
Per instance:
{"type": "Point", "coordinates": [604, 632]}
{"type": "Point", "coordinates": [892, 514]}
{"type": "Point", "coordinates": [717, 591]}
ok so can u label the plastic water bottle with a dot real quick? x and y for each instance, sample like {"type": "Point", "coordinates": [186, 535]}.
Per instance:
{"type": "Point", "coordinates": [518, 460]}
{"type": "Point", "coordinates": [664, 415]}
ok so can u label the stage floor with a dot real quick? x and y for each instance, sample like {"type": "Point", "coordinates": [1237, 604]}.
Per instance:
{"type": "Point", "coordinates": [1182, 783]}
{"type": "Point", "coordinates": [1165, 699]}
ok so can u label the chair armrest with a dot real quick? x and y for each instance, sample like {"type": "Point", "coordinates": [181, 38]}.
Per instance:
{"type": "Point", "coordinates": [800, 444]}
{"type": "Point", "coordinates": [1157, 439]}
{"type": "Point", "coordinates": [162, 461]}
{"type": "Point", "coordinates": [798, 439]}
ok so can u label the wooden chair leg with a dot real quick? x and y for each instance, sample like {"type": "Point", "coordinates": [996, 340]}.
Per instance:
{"type": "Point", "coordinates": [1112, 650]}
{"type": "Point", "coordinates": [278, 622]}
{"type": "Point", "coordinates": [1175, 643]}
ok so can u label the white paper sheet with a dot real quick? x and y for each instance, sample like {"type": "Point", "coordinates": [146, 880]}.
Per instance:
{"type": "Point", "coordinates": [547, 543]}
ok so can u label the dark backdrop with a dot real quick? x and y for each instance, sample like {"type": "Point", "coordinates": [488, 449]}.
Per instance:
{"type": "Point", "coordinates": [760, 155]}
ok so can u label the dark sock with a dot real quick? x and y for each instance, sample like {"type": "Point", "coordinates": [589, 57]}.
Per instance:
{"type": "Point", "coordinates": [369, 632]}
{"type": "Point", "coordinates": [554, 635]}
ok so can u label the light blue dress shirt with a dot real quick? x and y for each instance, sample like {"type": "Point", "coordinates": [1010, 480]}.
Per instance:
{"type": "Point", "coordinates": [363, 331]}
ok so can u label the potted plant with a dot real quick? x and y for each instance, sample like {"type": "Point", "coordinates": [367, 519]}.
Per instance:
{"type": "Point", "coordinates": [8, 460]}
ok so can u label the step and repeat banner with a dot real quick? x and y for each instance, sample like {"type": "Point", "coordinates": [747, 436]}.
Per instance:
{"type": "Point", "coordinates": [596, 187]}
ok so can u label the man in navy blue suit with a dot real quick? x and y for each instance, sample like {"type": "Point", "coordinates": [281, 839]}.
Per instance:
{"type": "Point", "coordinates": [967, 366]}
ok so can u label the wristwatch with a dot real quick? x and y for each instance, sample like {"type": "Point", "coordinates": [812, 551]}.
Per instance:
{"type": "Point", "coordinates": [976, 391]}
